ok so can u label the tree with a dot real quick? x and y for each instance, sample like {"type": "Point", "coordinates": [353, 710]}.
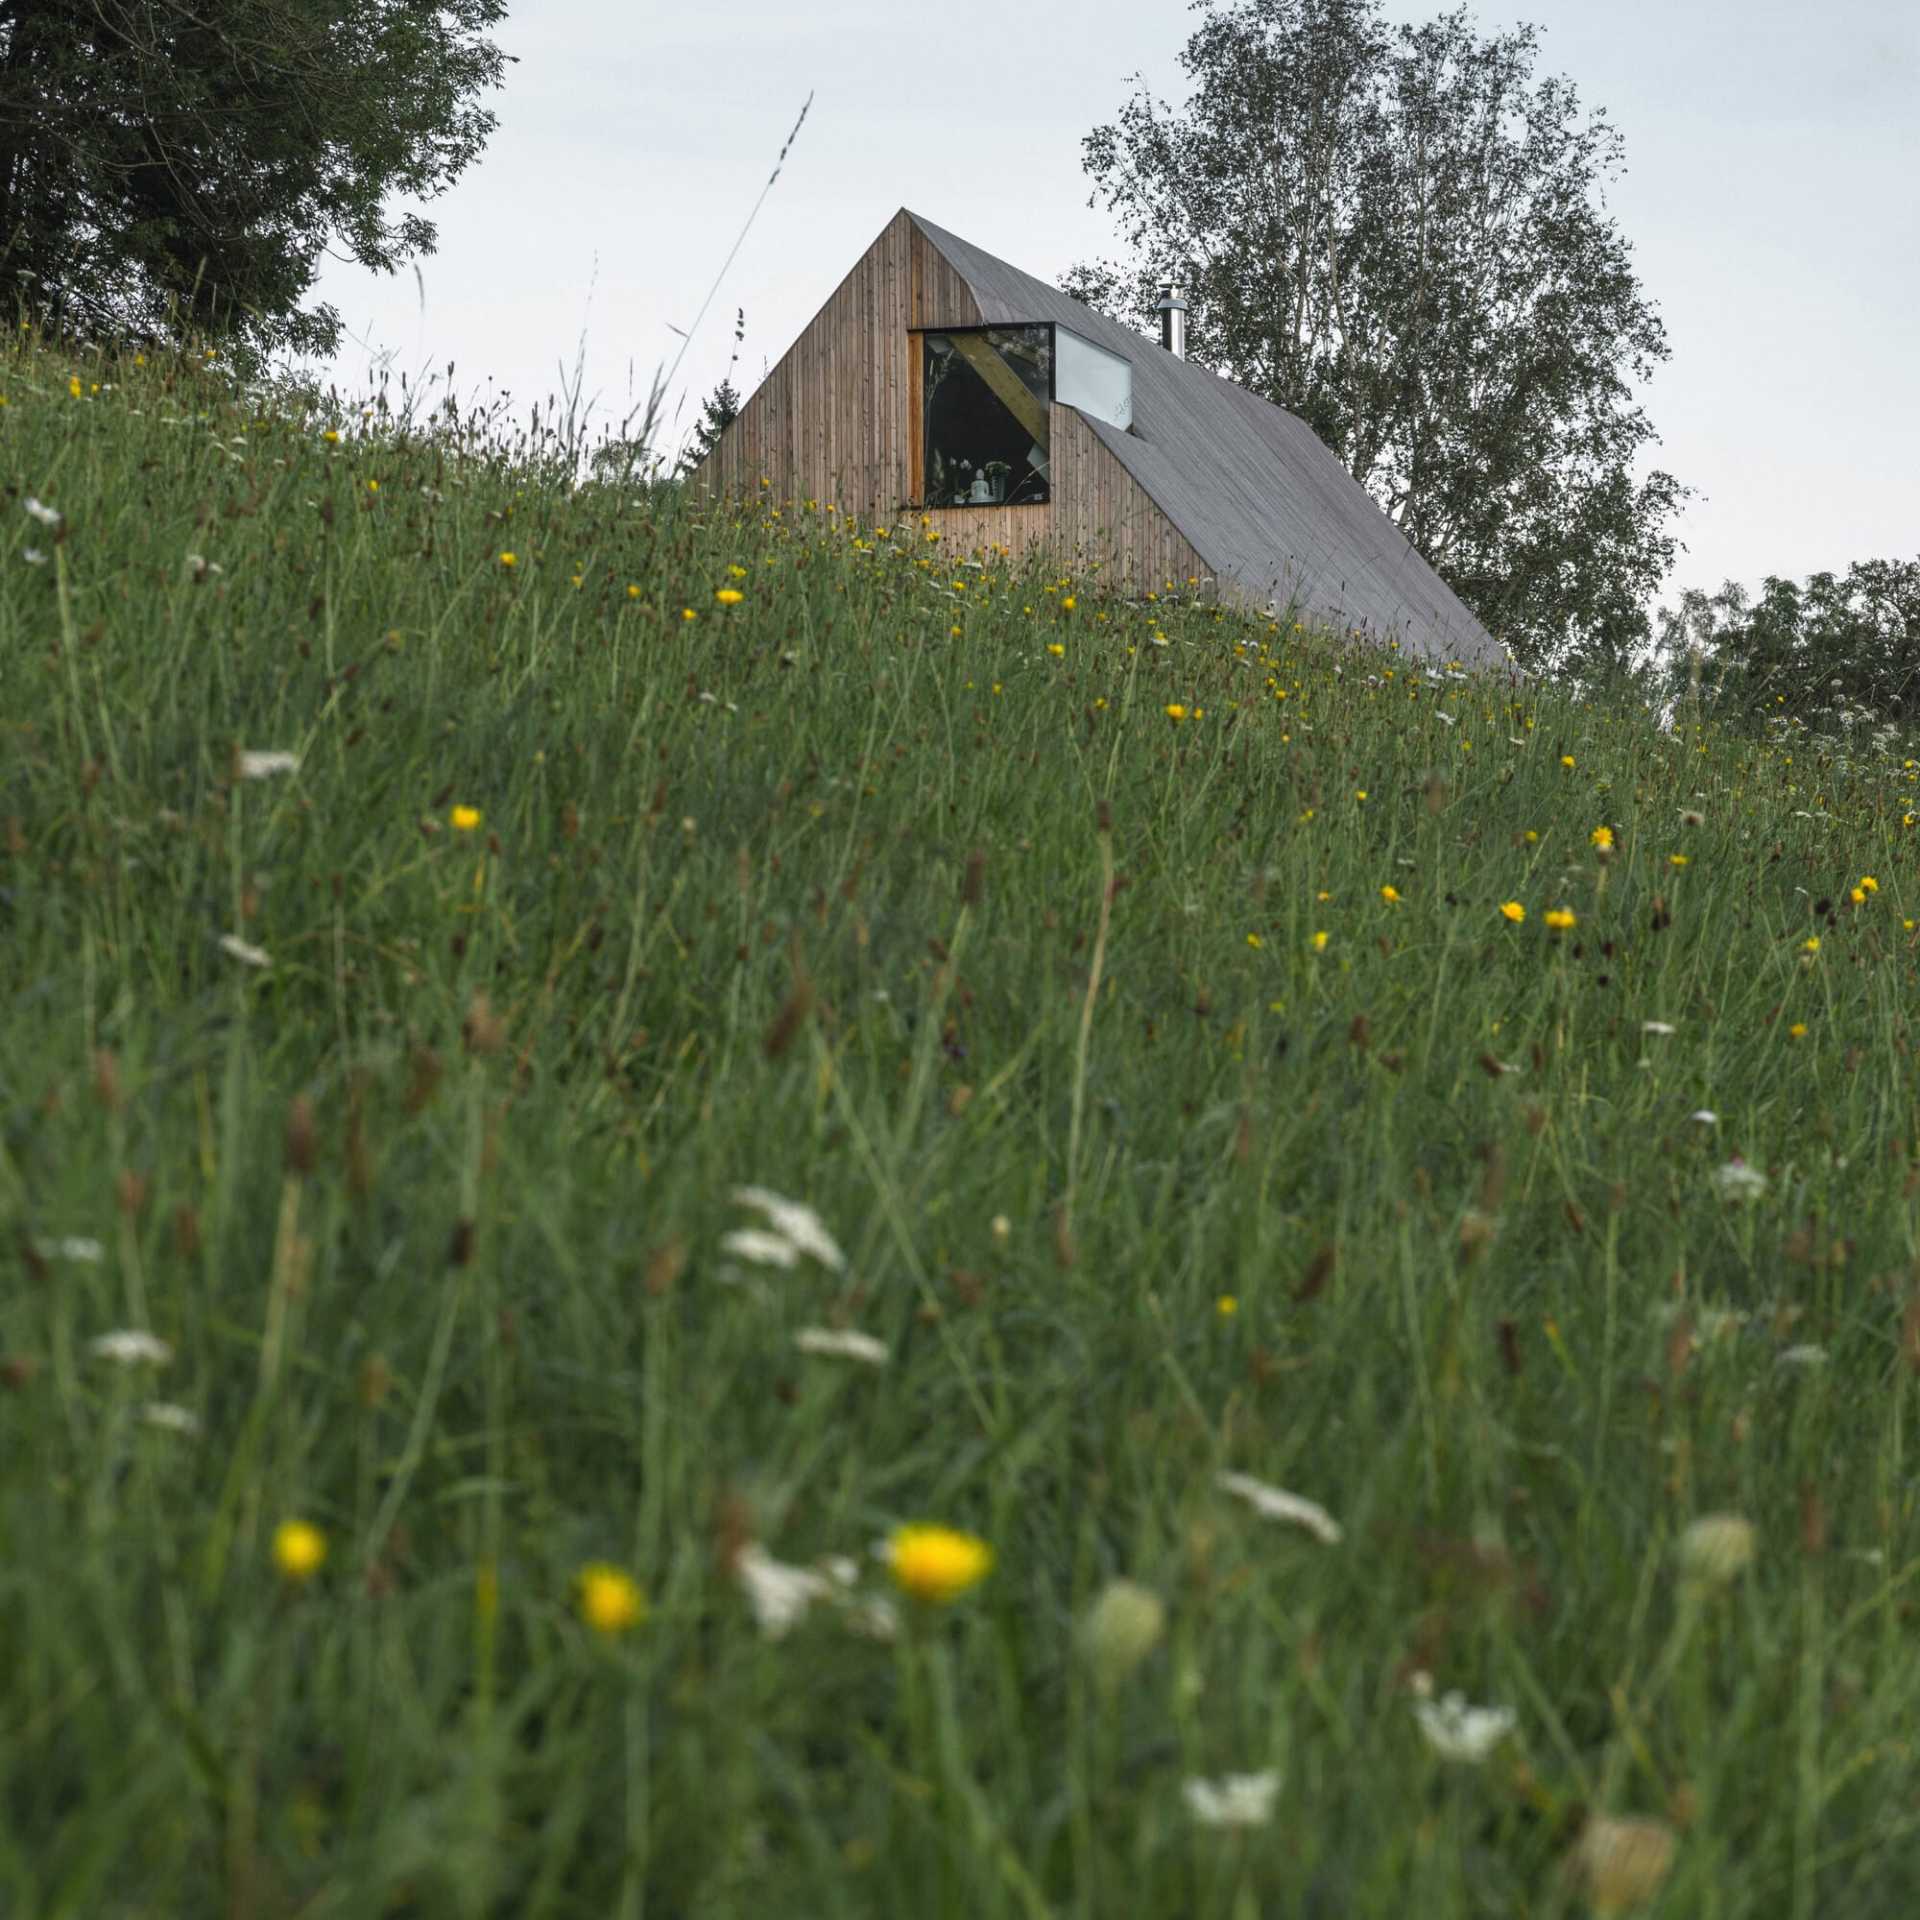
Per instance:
{"type": "Point", "coordinates": [1807, 655]}
{"type": "Point", "coordinates": [717, 412]}
{"type": "Point", "coordinates": [1394, 235]}
{"type": "Point", "coordinates": [175, 165]}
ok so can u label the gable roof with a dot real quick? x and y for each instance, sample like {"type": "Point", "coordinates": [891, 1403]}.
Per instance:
{"type": "Point", "coordinates": [1254, 490]}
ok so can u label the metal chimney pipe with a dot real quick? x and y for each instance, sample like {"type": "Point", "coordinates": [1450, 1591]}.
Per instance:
{"type": "Point", "coordinates": [1172, 310]}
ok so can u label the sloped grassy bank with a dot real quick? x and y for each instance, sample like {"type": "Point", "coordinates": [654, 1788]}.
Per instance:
{"type": "Point", "coordinates": [1212, 1049]}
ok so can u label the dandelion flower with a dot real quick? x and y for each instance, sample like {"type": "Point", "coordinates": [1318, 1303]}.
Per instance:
{"type": "Point", "coordinates": [1391, 895]}
{"type": "Point", "coordinates": [1056, 649]}
{"type": "Point", "coordinates": [843, 1345]}
{"type": "Point", "coordinates": [1227, 1306]}
{"type": "Point", "coordinates": [464, 819]}
{"type": "Point", "coordinates": [1069, 603]}
{"type": "Point", "coordinates": [1717, 1548]}
{"type": "Point", "coordinates": [1275, 1503]}
{"type": "Point", "coordinates": [299, 1550]}
{"type": "Point", "coordinates": [1255, 942]}
{"type": "Point", "coordinates": [728, 596]}
{"type": "Point", "coordinates": [1319, 942]}
{"type": "Point", "coordinates": [509, 559]}
{"type": "Point", "coordinates": [609, 1600]}
{"type": "Point", "coordinates": [1456, 1731]}
{"type": "Point", "coordinates": [131, 1347]}
{"type": "Point", "coordinates": [1566, 760]}
{"type": "Point", "coordinates": [937, 1564]}
{"type": "Point", "coordinates": [1798, 1031]}
{"type": "Point", "coordinates": [1811, 944]}
{"type": "Point", "coordinates": [1235, 1800]}
{"type": "Point", "coordinates": [1175, 712]}
{"type": "Point", "coordinates": [1560, 919]}
{"type": "Point", "coordinates": [1868, 884]}
{"type": "Point", "coordinates": [1676, 859]}
{"type": "Point", "coordinates": [1513, 911]}
{"type": "Point", "coordinates": [1602, 837]}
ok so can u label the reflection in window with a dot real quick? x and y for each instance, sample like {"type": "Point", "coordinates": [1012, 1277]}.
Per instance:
{"type": "Point", "coordinates": [1092, 379]}
{"type": "Point", "coordinates": [984, 399]}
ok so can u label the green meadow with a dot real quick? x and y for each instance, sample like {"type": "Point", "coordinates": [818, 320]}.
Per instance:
{"type": "Point", "coordinates": [1343, 1183]}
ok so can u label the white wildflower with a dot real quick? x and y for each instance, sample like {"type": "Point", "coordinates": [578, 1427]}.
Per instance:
{"type": "Point", "coordinates": [244, 951]}
{"type": "Point", "coordinates": [1456, 1731]}
{"type": "Point", "coordinates": [170, 1418]}
{"type": "Point", "coordinates": [778, 1594]}
{"type": "Point", "coordinates": [795, 1222]}
{"type": "Point", "coordinates": [1704, 1116]}
{"type": "Point", "coordinates": [88, 1253]}
{"type": "Point", "coordinates": [1235, 1800]}
{"type": "Point", "coordinates": [131, 1347]}
{"type": "Point", "coordinates": [843, 1346]}
{"type": "Point", "coordinates": [876, 1619]}
{"type": "Point", "coordinates": [1737, 1181]}
{"type": "Point", "coordinates": [264, 764]}
{"type": "Point", "coordinates": [1274, 1503]}
{"type": "Point", "coordinates": [1802, 1356]}
{"type": "Point", "coordinates": [1656, 1026]}
{"type": "Point", "coordinates": [39, 510]}
{"type": "Point", "coordinates": [1717, 1547]}
{"type": "Point", "coordinates": [33, 556]}
{"type": "Point", "coordinates": [762, 1248]}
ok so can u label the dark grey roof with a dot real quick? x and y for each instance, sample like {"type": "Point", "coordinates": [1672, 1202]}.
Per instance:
{"type": "Point", "coordinates": [1257, 494]}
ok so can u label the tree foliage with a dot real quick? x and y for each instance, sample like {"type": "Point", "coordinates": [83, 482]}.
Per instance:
{"type": "Point", "coordinates": [717, 412]}
{"type": "Point", "coordinates": [1397, 236]}
{"type": "Point", "coordinates": [174, 164]}
{"type": "Point", "coordinates": [1835, 646]}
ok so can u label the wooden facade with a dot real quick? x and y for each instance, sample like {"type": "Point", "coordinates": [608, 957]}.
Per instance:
{"type": "Point", "coordinates": [837, 421]}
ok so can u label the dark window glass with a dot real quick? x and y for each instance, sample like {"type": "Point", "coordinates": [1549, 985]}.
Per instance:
{"type": "Point", "coordinates": [984, 398]}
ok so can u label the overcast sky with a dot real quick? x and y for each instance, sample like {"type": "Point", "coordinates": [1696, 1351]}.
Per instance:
{"type": "Point", "coordinates": [1772, 150]}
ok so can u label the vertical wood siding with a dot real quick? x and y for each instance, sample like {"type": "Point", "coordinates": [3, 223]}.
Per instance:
{"type": "Point", "coordinates": [833, 423]}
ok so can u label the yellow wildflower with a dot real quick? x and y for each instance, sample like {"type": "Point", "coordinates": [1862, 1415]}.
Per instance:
{"type": "Point", "coordinates": [1602, 837]}
{"type": "Point", "coordinates": [509, 559]}
{"type": "Point", "coordinates": [1868, 884]}
{"type": "Point", "coordinates": [1069, 603]}
{"type": "Point", "coordinates": [1391, 895]}
{"type": "Point", "coordinates": [1566, 760]}
{"type": "Point", "coordinates": [610, 1601]}
{"type": "Point", "coordinates": [299, 1549]}
{"type": "Point", "coordinates": [728, 596]}
{"type": "Point", "coordinates": [464, 819]}
{"type": "Point", "coordinates": [1560, 919]}
{"type": "Point", "coordinates": [1811, 944]}
{"type": "Point", "coordinates": [1513, 910]}
{"type": "Point", "coordinates": [1798, 1031]}
{"type": "Point", "coordinates": [1319, 942]}
{"type": "Point", "coordinates": [1176, 713]}
{"type": "Point", "coordinates": [1226, 1306]}
{"type": "Point", "coordinates": [937, 1564]}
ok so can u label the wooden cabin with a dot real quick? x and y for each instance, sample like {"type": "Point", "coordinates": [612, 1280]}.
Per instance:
{"type": "Point", "coordinates": [939, 380]}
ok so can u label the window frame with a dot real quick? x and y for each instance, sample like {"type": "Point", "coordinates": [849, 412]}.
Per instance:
{"type": "Point", "coordinates": [917, 412]}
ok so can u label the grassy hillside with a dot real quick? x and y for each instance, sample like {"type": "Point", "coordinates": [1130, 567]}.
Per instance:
{"type": "Point", "coordinates": [1216, 1049]}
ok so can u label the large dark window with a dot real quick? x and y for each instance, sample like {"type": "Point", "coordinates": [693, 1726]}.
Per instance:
{"type": "Point", "coordinates": [984, 398]}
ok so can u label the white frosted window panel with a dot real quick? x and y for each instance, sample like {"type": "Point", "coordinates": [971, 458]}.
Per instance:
{"type": "Point", "coordinates": [1092, 379]}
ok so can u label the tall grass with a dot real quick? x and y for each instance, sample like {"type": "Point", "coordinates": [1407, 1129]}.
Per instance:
{"type": "Point", "coordinates": [1038, 939]}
